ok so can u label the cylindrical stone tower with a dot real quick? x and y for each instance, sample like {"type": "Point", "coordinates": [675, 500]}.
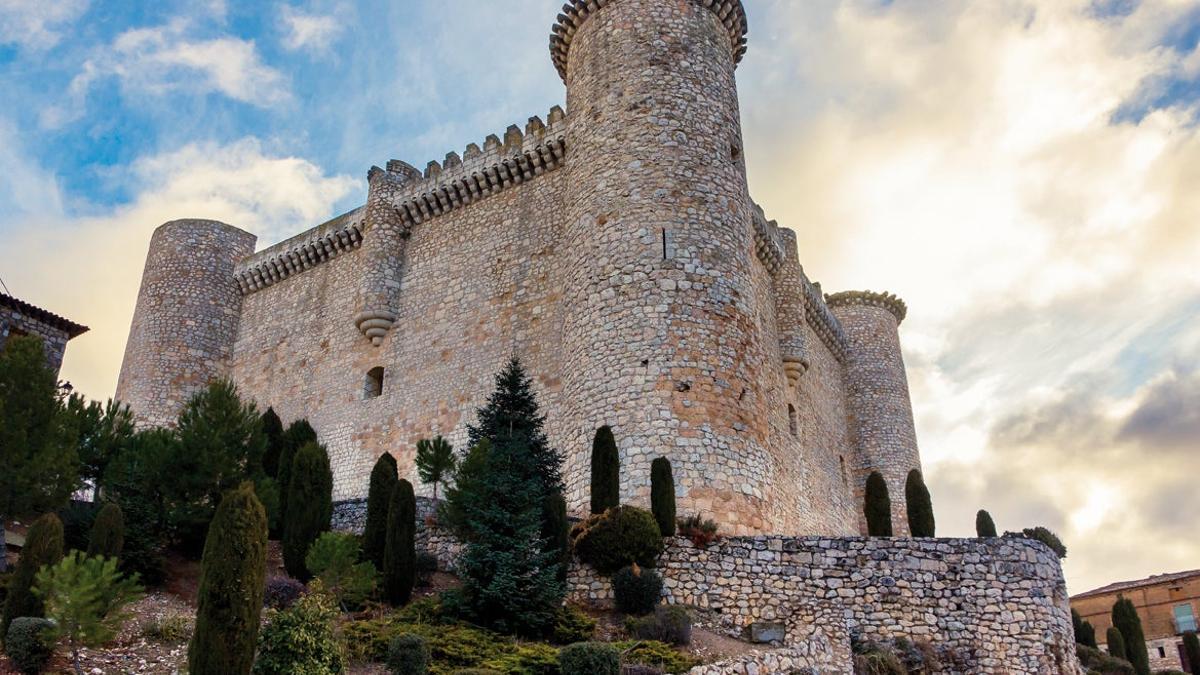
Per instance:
{"type": "Point", "coordinates": [186, 319]}
{"type": "Point", "coordinates": [660, 338]}
{"type": "Point", "coordinates": [879, 406]}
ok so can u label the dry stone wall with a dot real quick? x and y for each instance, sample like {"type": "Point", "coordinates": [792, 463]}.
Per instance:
{"type": "Point", "coordinates": [14, 321]}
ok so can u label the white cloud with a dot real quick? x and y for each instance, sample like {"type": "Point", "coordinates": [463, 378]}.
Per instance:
{"type": "Point", "coordinates": [302, 30]}
{"type": "Point", "coordinates": [36, 24]}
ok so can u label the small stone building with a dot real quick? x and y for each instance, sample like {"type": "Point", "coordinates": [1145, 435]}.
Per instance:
{"type": "Point", "coordinates": [18, 317]}
{"type": "Point", "coordinates": [1168, 605]}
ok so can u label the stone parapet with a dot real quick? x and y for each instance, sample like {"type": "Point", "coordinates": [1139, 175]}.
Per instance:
{"type": "Point", "coordinates": [888, 301]}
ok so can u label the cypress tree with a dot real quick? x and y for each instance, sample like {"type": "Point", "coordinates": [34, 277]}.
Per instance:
{"type": "Point", "coordinates": [919, 504]}
{"type": "Point", "coordinates": [108, 533]}
{"type": "Point", "coordinates": [272, 428]}
{"type": "Point", "coordinates": [310, 496]}
{"type": "Point", "coordinates": [1087, 634]}
{"type": "Point", "coordinates": [662, 495]}
{"type": "Point", "coordinates": [379, 496]}
{"type": "Point", "coordinates": [299, 434]}
{"type": "Point", "coordinates": [400, 551]}
{"type": "Point", "coordinates": [43, 546]}
{"type": "Point", "coordinates": [606, 471]}
{"type": "Point", "coordinates": [878, 506]}
{"type": "Point", "coordinates": [1116, 643]}
{"type": "Point", "coordinates": [232, 580]}
{"type": "Point", "coordinates": [1191, 650]}
{"type": "Point", "coordinates": [1076, 625]}
{"type": "Point", "coordinates": [557, 533]}
{"type": "Point", "coordinates": [1125, 618]}
{"type": "Point", "coordinates": [985, 527]}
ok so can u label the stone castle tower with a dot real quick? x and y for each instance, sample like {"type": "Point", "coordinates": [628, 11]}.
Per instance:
{"type": "Point", "coordinates": [614, 247]}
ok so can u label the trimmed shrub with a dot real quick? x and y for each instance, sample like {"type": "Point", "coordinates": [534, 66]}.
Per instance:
{"type": "Point", "coordinates": [572, 625]}
{"type": "Point", "coordinates": [636, 591]}
{"type": "Point", "coordinates": [985, 527]}
{"type": "Point", "coordinates": [108, 533]}
{"type": "Point", "coordinates": [383, 480]}
{"type": "Point", "coordinates": [671, 624]}
{"type": "Point", "coordinates": [590, 658]}
{"type": "Point", "coordinates": [310, 496]}
{"type": "Point", "coordinates": [230, 598]}
{"type": "Point", "coordinates": [606, 471]}
{"type": "Point", "coordinates": [1125, 618]}
{"type": "Point", "coordinates": [30, 644]}
{"type": "Point", "coordinates": [700, 531]}
{"type": "Point", "coordinates": [408, 654]}
{"type": "Point", "coordinates": [1191, 649]}
{"type": "Point", "coordinates": [1096, 661]}
{"type": "Point", "coordinates": [878, 506]}
{"type": "Point", "coordinates": [617, 538]}
{"type": "Point", "coordinates": [272, 429]}
{"type": "Point", "coordinates": [919, 505]}
{"type": "Point", "coordinates": [556, 531]}
{"type": "Point", "coordinates": [662, 495]}
{"type": "Point", "coordinates": [282, 592]}
{"type": "Point", "coordinates": [400, 552]}
{"type": "Point", "coordinates": [1116, 643]}
{"type": "Point", "coordinates": [43, 546]}
{"type": "Point", "coordinates": [302, 640]}
{"type": "Point", "coordinates": [334, 560]}
{"type": "Point", "coordinates": [427, 566]}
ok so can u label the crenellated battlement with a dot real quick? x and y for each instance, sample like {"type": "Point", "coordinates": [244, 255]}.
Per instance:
{"type": "Point", "coordinates": [300, 253]}
{"type": "Point", "coordinates": [766, 242]}
{"type": "Point", "coordinates": [823, 322]}
{"type": "Point", "coordinates": [576, 12]}
{"type": "Point", "coordinates": [888, 301]}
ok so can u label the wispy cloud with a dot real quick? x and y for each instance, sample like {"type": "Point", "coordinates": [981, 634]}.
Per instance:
{"type": "Point", "coordinates": [35, 24]}
{"type": "Point", "coordinates": [312, 32]}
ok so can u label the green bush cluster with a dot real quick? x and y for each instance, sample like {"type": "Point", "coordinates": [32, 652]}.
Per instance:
{"type": "Point", "coordinates": [590, 658]}
{"type": "Point", "coordinates": [617, 538]}
{"type": "Point", "coordinates": [670, 624]}
{"type": "Point", "coordinates": [43, 547]}
{"type": "Point", "coordinates": [700, 531]}
{"type": "Point", "coordinates": [30, 644]}
{"type": "Point", "coordinates": [334, 560]}
{"type": "Point", "coordinates": [301, 639]}
{"type": "Point", "coordinates": [655, 654]}
{"type": "Point", "coordinates": [572, 625]}
{"type": "Point", "coordinates": [1097, 662]}
{"type": "Point", "coordinates": [636, 591]}
{"type": "Point", "coordinates": [408, 654]}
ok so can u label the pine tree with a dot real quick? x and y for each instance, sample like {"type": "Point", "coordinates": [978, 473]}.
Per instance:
{"type": "Point", "coordinates": [379, 496]}
{"type": "Point", "coordinates": [1191, 650]}
{"type": "Point", "coordinates": [400, 551]}
{"type": "Point", "coordinates": [1126, 619]}
{"type": "Point", "coordinates": [1116, 644]}
{"type": "Point", "coordinates": [919, 505]}
{"type": "Point", "coordinates": [606, 471]}
{"type": "Point", "coordinates": [662, 495]}
{"type": "Point", "coordinates": [37, 444]}
{"type": "Point", "coordinates": [311, 498]}
{"type": "Point", "coordinates": [43, 546]}
{"type": "Point", "coordinates": [108, 533]}
{"type": "Point", "coordinates": [232, 581]}
{"type": "Point", "coordinates": [299, 434]}
{"type": "Point", "coordinates": [435, 462]}
{"type": "Point", "coordinates": [985, 527]}
{"type": "Point", "coordinates": [102, 432]}
{"type": "Point", "coordinates": [878, 507]}
{"type": "Point", "coordinates": [272, 428]}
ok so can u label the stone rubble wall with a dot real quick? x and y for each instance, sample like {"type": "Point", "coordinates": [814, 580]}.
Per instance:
{"type": "Point", "coordinates": [54, 340]}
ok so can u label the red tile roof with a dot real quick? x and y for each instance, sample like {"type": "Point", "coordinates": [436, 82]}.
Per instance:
{"type": "Point", "coordinates": [50, 319]}
{"type": "Point", "coordinates": [1140, 583]}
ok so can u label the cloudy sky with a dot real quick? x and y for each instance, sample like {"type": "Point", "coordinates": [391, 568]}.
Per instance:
{"type": "Point", "coordinates": [1025, 173]}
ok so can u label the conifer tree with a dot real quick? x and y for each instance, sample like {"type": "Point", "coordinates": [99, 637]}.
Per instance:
{"type": "Point", "coordinates": [919, 505]}
{"type": "Point", "coordinates": [878, 506]}
{"type": "Point", "coordinates": [557, 532]}
{"type": "Point", "coordinates": [435, 462]}
{"type": "Point", "coordinates": [662, 495]}
{"type": "Point", "coordinates": [43, 546]}
{"type": "Point", "coordinates": [102, 432]}
{"type": "Point", "coordinates": [462, 497]}
{"type": "Point", "coordinates": [606, 471]}
{"type": "Point", "coordinates": [1126, 620]}
{"type": "Point", "coordinates": [400, 551]}
{"type": "Point", "coordinates": [299, 434]}
{"type": "Point", "coordinates": [1191, 650]}
{"type": "Point", "coordinates": [1116, 643]}
{"type": "Point", "coordinates": [310, 496]}
{"type": "Point", "coordinates": [108, 533]}
{"type": "Point", "coordinates": [379, 497]}
{"type": "Point", "coordinates": [985, 527]}
{"type": "Point", "coordinates": [232, 581]}
{"type": "Point", "coordinates": [1087, 634]}
{"type": "Point", "coordinates": [272, 428]}
{"type": "Point", "coordinates": [37, 446]}
{"type": "Point", "coordinates": [1076, 625]}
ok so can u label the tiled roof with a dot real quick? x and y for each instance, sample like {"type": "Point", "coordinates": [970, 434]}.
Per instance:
{"type": "Point", "coordinates": [1140, 583]}
{"type": "Point", "coordinates": [50, 319]}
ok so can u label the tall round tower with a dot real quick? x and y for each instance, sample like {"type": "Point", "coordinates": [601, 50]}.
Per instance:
{"type": "Point", "coordinates": [880, 408]}
{"type": "Point", "coordinates": [186, 318]}
{"type": "Point", "coordinates": [660, 334]}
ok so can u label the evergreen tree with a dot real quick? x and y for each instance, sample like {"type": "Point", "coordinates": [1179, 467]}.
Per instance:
{"type": "Point", "coordinates": [102, 432]}
{"type": "Point", "coordinates": [232, 581]}
{"type": "Point", "coordinates": [463, 496]}
{"type": "Point", "coordinates": [1087, 634]}
{"type": "Point", "coordinates": [878, 507]}
{"type": "Point", "coordinates": [1076, 625]}
{"type": "Point", "coordinates": [557, 532]}
{"type": "Point", "coordinates": [108, 533]}
{"type": "Point", "coordinates": [272, 428]}
{"type": "Point", "coordinates": [38, 461]}
{"type": "Point", "coordinates": [1191, 650]}
{"type": "Point", "coordinates": [1116, 644]}
{"type": "Point", "coordinates": [662, 495]}
{"type": "Point", "coordinates": [299, 434]}
{"type": "Point", "coordinates": [311, 498]}
{"type": "Point", "coordinates": [435, 462]}
{"type": "Point", "coordinates": [985, 527]}
{"type": "Point", "coordinates": [400, 550]}
{"type": "Point", "coordinates": [919, 505]}
{"type": "Point", "coordinates": [1126, 619]}
{"type": "Point", "coordinates": [134, 480]}
{"type": "Point", "coordinates": [43, 546]}
{"type": "Point", "coordinates": [606, 471]}
{"type": "Point", "coordinates": [379, 497]}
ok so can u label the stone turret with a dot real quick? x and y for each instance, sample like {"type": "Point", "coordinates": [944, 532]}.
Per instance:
{"type": "Point", "coordinates": [384, 238]}
{"type": "Point", "coordinates": [186, 320]}
{"type": "Point", "coordinates": [790, 310]}
{"type": "Point", "coordinates": [880, 408]}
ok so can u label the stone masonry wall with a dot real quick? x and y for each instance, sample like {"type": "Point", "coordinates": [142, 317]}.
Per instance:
{"type": "Point", "coordinates": [54, 340]}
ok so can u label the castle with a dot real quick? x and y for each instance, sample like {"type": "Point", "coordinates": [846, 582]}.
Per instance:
{"type": "Point", "coordinates": [613, 246]}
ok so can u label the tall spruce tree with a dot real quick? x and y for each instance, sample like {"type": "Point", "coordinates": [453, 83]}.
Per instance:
{"type": "Point", "coordinates": [878, 506]}
{"type": "Point", "coordinates": [435, 462]}
{"type": "Point", "coordinates": [662, 495]}
{"type": "Point", "coordinates": [310, 496]}
{"type": "Point", "coordinates": [232, 584]}
{"type": "Point", "coordinates": [1126, 619]}
{"type": "Point", "coordinates": [606, 471]}
{"type": "Point", "coordinates": [379, 496]}
{"type": "Point", "coordinates": [37, 445]}
{"type": "Point", "coordinates": [1116, 643]}
{"type": "Point", "coordinates": [272, 428]}
{"type": "Point", "coordinates": [919, 505]}
{"type": "Point", "coordinates": [400, 549]}
{"type": "Point", "coordinates": [43, 546]}
{"type": "Point", "coordinates": [1191, 651]}
{"type": "Point", "coordinates": [108, 533]}
{"type": "Point", "coordinates": [298, 434]}
{"type": "Point", "coordinates": [985, 527]}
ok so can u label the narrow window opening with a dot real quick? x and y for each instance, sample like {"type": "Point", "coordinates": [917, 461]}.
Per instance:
{"type": "Point", "coordinates": [373, 388]}
{"type": "Point", "coordinates": [735, 153]}
{"type": "Point", "coordinates": [666, 252]}
{"type": "Point", "coordinates": [792, 419]}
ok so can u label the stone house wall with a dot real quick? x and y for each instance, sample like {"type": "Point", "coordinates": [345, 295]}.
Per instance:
{"type": "Point", "coordinates": [54, 340]}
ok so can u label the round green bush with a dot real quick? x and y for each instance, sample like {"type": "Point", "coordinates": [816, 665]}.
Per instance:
{"type": "Point", "coordinates": [590, 658]}
{"type": "Point", "coordinates": [302, 640]}
{"type": "Point", "coordinates": [671, 624]}
{"type": "Point", "coordinates": [30, 644]}
{"type": "Point", "coordinates": [617, 538]}
{"type": "Point", "coordinates": [408, 654]}
{"type": "Point", "coordinates": [636, 591]}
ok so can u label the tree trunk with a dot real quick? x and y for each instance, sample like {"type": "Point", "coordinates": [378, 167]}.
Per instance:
{"type": "Point", "coordinates": [3, 548]}
{"type": "Point", "coordinates": [75, 657]}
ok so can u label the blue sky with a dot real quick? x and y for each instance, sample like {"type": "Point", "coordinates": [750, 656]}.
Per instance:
{"type": "Point", "coordinates": [1023, 173]}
